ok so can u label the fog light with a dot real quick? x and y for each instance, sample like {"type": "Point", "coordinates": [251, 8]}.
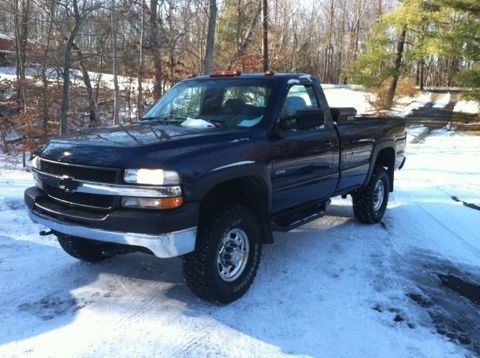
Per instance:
{"type": "Point", "coordinates": [152, 203]}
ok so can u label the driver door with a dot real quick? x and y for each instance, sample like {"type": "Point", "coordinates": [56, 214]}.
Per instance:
{"type": "Point", "coordinates": [303, 153]}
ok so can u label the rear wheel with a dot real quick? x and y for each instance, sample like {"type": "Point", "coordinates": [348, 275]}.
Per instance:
{"type": "Point", "coordinates": [370, 203]}
{"type": "Point", "coordinates": [85, 250]}
{"type": "Point", "coordinates": [227, 255]}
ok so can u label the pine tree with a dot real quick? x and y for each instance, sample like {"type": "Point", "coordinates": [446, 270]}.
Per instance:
{"type": "Point", "coordinates": [463, 42]}
{"type": "Point", "coordinates": [400, 41]}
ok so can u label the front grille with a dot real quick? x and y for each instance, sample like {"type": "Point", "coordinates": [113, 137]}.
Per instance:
{"type": "Point", "coordinates": [80, 199]}
{"type": "Point", "coordinates": [95, 174]}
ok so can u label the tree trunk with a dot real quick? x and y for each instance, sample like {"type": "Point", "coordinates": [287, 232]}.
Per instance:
{"type": "Point", "coordinates": [396, 70]}
{"type": "Point", "coordinates": [140, 106]}
{"type": "Point", "coordinates": [116, 95]}
{"type": "Point", "coordinates": [265, 35]}
{"type": "Point", "coordinates": [45, 114]}
{"type": "Point", "coordinates": [21, 22]}
{"type": "Point", "coordinates": [67, 62]}
{"type": "Point", "coordinates": [248, 38]}
{"type": "Point", "coordinates": [327, 70]}
{"type": "Point", "coordinates": [379, 9]}
{"type": "Point", "coordinates": [212, 19]}
{"type": "Point", "coordinates": [88, 86]}
{"type": "Point", "coordinates": [422, 67]}
{"type": "Point", "coordinates": [156, 51]}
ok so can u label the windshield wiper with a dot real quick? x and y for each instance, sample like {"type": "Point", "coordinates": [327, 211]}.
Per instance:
{"type": "Point", "coordinates": [179, 120]}
{"type": "Point", "coordinates": [216, 121]}
{"type": "Point", "coordinates": [166, 119]}
{"type": "Point", "coordinates": [158, 118]}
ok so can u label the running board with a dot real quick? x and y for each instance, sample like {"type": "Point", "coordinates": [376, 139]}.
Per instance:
{"type": "Point", "coordinates": [294, 218]}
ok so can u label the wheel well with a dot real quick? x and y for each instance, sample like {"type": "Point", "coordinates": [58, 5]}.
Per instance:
{"type": "Point", "coordinates": [250, 191]}
{"type": "Point", "coordinates": [386, 159]}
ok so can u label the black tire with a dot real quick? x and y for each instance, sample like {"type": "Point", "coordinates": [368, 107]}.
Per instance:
{"type": "Point", "coordinates": [366, 208]}
{"type": "Point", "coordinates": [201, 268]}
{"type": "Point", "coordinates": [83, 249]}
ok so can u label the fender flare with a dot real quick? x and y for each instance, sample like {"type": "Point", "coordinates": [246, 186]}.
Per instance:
{"type": "Point", "coordinates": [239, 170]}
{"type": "Point", "coordinates": [378, 147]}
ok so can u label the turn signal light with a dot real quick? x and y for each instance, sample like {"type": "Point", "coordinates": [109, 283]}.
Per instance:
{"type": "Point", "coordinates": [152, 203]}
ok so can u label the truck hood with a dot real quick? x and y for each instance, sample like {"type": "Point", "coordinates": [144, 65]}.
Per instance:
{"type": "Point", "coordinates": [141, 145]}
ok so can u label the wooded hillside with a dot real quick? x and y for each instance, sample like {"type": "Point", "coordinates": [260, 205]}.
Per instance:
{"type": "Point", "coordinates": [155, 43]}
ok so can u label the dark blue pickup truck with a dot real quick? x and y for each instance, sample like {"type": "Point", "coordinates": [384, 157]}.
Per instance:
{"type": "Point", "coordinates": [216, 165]}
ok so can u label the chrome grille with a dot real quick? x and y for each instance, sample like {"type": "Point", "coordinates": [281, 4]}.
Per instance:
{"type": "Point", "coordinates": [80, 199]}
{"type": "Point", "coordinates": [80, 172]}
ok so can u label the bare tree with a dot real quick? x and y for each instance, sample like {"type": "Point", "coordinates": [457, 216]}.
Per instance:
{"type": "Point", "coordinates": [155, 49]}
{"type": "Point", "coordinates": [212, 19]}
{"type": "Point", "coordinates": [242, 48]}
{"type": "Point", "coordinates": [265, 34]}
{"type": "Point", "coordinates": [78, 14]}
{"type": "Point", "coordinates": [45, 116]}
{"type": "Point", "coordinates": [92, 106]}
{"type": "Point", "coordinates": [21, 21]}
{"type": "Point", "coordinates": [67, 63]}
{"type": "Point", "coordinates": [116, 90]}
{"type": "Point", "coordinates": [141, 66]}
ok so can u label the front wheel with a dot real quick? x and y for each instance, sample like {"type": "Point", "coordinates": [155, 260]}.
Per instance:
{"type": "Point", "coordinates": [227, 255]}
{"type": "Point", "coordinates": [370, 203]}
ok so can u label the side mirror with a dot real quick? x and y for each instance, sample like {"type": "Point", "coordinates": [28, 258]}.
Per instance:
{"type": "Point", "coordinates": [305, 119]}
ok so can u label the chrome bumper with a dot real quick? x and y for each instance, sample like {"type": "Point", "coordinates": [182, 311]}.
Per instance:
{"type": "Point", "coordinates": [163, 245]}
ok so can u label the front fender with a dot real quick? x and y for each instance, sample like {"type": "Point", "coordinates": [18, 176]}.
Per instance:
{"type": "Point", "coordinates": [201, 186]}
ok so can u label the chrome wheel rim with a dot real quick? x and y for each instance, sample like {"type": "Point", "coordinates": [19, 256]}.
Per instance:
{"type": "Point", "coordinates": [232, 255]}
{"type": "Point", "coordinates": [378, 195]}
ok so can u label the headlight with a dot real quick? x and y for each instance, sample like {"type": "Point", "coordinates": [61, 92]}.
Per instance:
{"type": "Point", "coordinates": [151, 176]}
{"type": "Point", "coordinates": [36, 162]}
{"type": "Point", "coordinates": [152, 203]}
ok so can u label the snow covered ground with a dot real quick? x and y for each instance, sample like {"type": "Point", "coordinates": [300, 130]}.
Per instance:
{"type": "Point", "coordinates": [443, 101]}
{"type": "Point", "coordinates": [333, 288]}
{"type": "Point", "coordinates": [406, 105]}
{"type": "Point", "coordinates": [348, 96]}
{"type": "Point", "coordinates": [470, 107]}
{"type": "Point", "coordinates": [53, 74]}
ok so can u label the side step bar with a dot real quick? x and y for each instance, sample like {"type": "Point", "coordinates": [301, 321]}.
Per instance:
{"type": "Point", "coordinates": [292, 219]}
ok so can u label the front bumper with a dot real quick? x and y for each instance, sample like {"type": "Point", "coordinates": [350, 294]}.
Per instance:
{"type": "Point", "coordinates": [127, 227]}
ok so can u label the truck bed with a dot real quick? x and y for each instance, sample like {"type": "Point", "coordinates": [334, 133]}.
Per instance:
{"type": "Point", "coordinates": [359, 139]}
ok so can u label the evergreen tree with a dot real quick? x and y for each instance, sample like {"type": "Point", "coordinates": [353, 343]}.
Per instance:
{"type": "Point", "coordinates": [400, 41]}
{"type": "Point", "coordinates": [463, 42]}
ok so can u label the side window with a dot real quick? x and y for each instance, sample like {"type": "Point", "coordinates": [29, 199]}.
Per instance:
{"type": "Point", "coordinates": [299, 97]}
{"type": "Point", "coordinates": [300, 110]}
{"type": "Point", "coordinates": [253, 96]}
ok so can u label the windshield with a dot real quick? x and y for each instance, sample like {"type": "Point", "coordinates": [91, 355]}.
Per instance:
{"type": "Point", "coordinates": [213, 103]}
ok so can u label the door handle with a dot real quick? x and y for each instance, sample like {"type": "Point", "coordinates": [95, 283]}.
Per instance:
{"type": "Point", "coordinates": [329, 143]}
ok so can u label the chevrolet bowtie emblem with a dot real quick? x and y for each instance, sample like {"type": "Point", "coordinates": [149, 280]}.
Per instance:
{"type": "Point", "coordinates": [68, 184]}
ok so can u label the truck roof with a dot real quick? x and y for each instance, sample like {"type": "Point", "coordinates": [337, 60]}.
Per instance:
{"type": "Point", "coordinates": [253, 75]}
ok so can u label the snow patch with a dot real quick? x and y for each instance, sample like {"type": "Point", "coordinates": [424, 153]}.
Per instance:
{"type": "Point", "coordinates": [406, 105]}
{"type": "Point", "coordinates": [55, 74]}
{"type": "Point", "coordinates": [348, 96]}
{"type": "Point", "coordinates": [443, 101]}
{"type": "Point", "coordinates": [470, 107]}
{"type": "Point", "coordinates": [196, 123]}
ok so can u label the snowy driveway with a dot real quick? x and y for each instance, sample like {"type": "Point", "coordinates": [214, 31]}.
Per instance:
{"type": "Point", "coordinates": [333, 288]}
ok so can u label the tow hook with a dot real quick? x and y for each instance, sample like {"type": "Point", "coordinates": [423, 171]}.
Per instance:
{"type": "Point", "coordinates": [45, 232]}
